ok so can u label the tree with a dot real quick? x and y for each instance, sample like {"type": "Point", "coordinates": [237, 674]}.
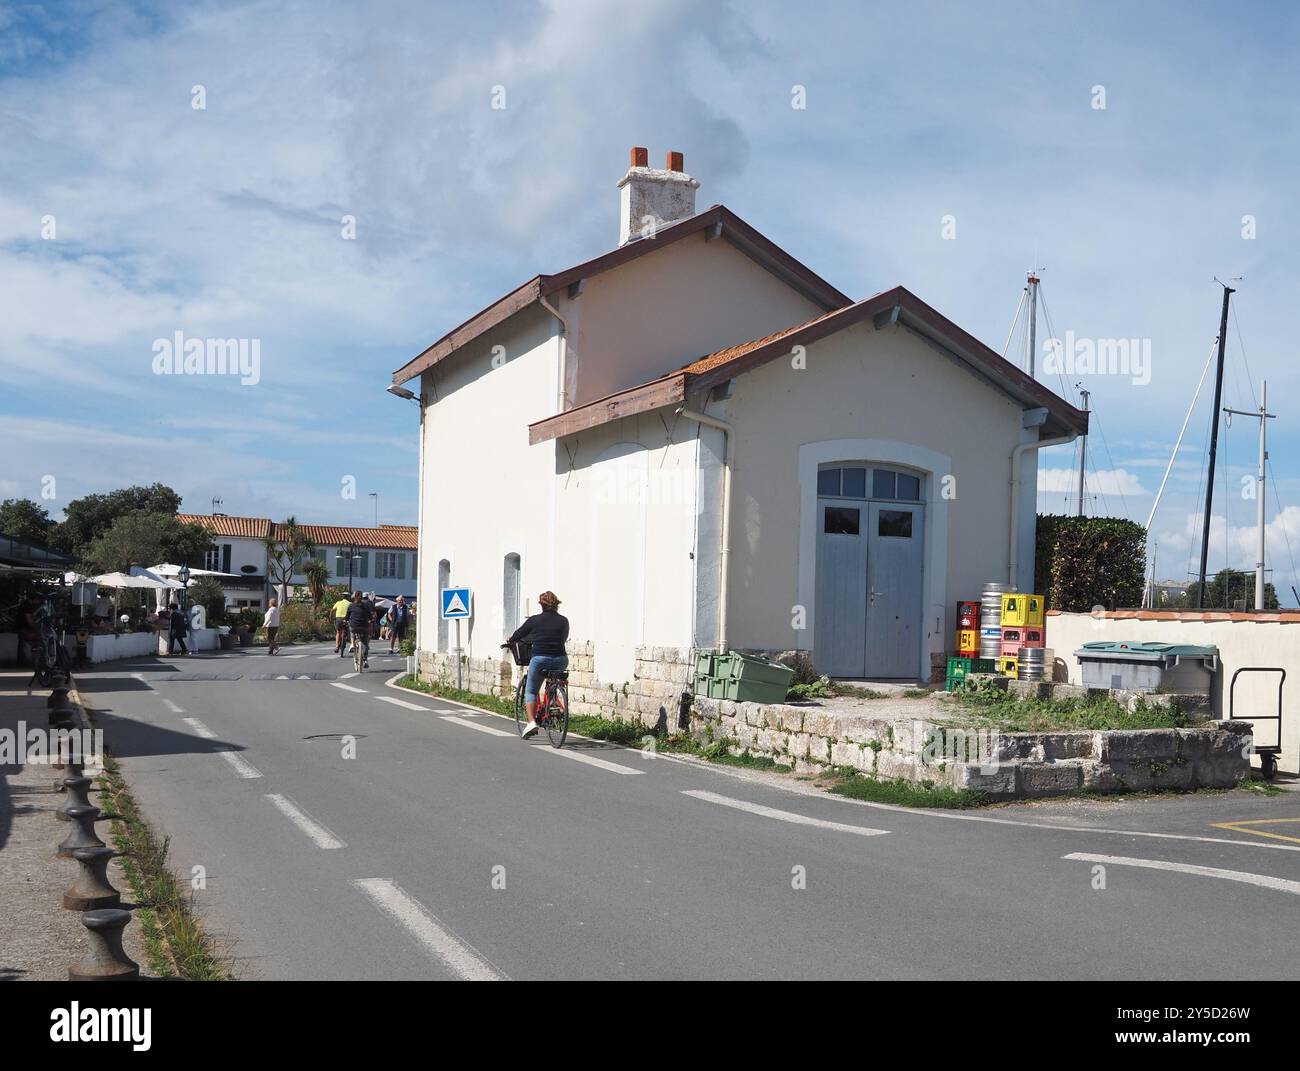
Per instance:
{"type": "Point", "coordinates": [1229, 586]}
{"type": "Point", "coordinates": [287, 548]}
{"type": "Point", "coordinates": [146, 539]}
{"type": "Point", "coordinates": [208, 592]}
{"type": "Point", "coordinates": [1082, 562]}
{"type": "Point", "coordinates": [317, 574]}
{"type": "Point", "coordinates": [23, 519]}
{"type": "Point", "coordinates": [88, 518]}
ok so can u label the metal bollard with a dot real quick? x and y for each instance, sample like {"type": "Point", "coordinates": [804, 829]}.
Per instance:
{"type": "Point", "coordinates": [82, 834]}
{"type": "Point", "coordinates": [58, 696]}
{"type": "Point", "coordinates": [62, 717]}
{"type": "Point", "coordinates": [107, 961]}
{"type": "Point", "coordinates": [78, 793]}
{"type": "Point", "coordinates": [91, 890]}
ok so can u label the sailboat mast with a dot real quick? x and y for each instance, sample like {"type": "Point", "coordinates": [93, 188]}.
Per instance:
{"type": "Point", "coordinates": [1214, 444]}
{"type": "Point", "coordinates": [1033, 321]}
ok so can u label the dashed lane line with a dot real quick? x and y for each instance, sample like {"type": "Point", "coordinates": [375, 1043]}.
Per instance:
{"type": "Point", "coordinates": [455, 720]}
{"type": "Point", "coordinates": [401, 703]}
{"type": "Point", "coordinates": [1264, 881]}
{"type": "Point", "coordinates": [458, 957]}
{"type": "Point", "coordinates": [241, 765]}
{"type": "Point", "coordinates": [348, 687]}
{"type": "Point", "coordinates": [319, 835]}
{"type": "Point", "coordinates": [170, 705]}
{"type": "Point", "coordinates": [781, 816]}
{"type": "Point", "coordinates": [590, 760]}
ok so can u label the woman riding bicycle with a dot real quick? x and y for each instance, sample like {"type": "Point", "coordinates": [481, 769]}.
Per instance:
{"type": "Point", "coordinates": [547, 633]}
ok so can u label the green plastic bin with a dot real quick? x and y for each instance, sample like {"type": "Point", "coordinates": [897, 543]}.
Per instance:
{"type": "Point", "coordinates": [751, 691]}
{"type": "Point", "coordinates": [704, 663]}
{"type": "Point", "coordinates": [757, 670]}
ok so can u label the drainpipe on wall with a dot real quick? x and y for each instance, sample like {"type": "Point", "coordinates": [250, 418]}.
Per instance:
{"type": "Point", "coordinates": [1016, 454]}
{"type": "Point", "coordinates": [564, 352]}
{"type": "Point", "coordinates": [727, 466]}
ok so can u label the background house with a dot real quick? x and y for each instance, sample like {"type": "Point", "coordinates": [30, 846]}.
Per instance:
{"type": "Point", "coordinates": [703, 444]}
{"type": "Point", "coordinates": [382, 560]}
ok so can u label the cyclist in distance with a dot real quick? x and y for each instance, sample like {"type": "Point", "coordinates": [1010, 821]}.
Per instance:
{"type": "Point", "coordinates": [359, 624]}
{"type": "Point", "coordinates": [547, 633]}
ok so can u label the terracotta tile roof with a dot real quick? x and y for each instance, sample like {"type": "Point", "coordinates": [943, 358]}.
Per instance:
{"type": "Point", "coordinates": [895, 306]}
{"type": "Point", "coordinates": [718, 220]}
{"type": "Point", "coordinates": [388, 537]}
{"type": "Point", "coordinates": [233, 527]}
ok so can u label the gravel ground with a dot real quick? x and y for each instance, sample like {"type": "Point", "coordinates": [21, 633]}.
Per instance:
{"type": "Point", "coordinates": [39, 939]}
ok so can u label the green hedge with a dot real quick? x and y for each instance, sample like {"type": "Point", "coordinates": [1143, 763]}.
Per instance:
{"type": "Point", "coordinates": [1082, 562]}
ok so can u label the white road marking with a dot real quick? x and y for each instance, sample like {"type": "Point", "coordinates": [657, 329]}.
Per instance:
{"type": "Point", "coordinates": [345, 676]}
{"type": "Point", "coordinates": [295, 656]}
{"type": "Point", "coordinates": [240, 764]}
{"type": "Point", "coordinates": [402, 703]}
{"type": "Point", "coordinates": [320, 836]}
{"type": "Point", "coordinates": [282, 677]}
{"type": "Point", "coordinates": [172, 706]}
{"type": "Point", "coordinates": [475, 725]}
{"type": "Point", "coordinates": [1265, 881]}
{"type": "Point", "coordinates": [420, 923]}
{"type": "Point", "coordinates": [612, 767]}
{"type": "Point", "coordinates": [348, 688]}
{"type": "Point", "coordinates": [782, 816]}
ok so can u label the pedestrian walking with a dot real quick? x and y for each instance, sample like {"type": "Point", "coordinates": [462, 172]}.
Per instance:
{"type": "Point", "coordinates": [398, 619]}
{"type": "Point", "coordinates": [177, 628]}
{"type": "Point", "coordinates": [271, 622]}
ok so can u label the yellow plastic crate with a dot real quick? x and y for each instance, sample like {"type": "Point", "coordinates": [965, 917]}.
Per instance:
{"type": "Point", "coordinates": [968, 639]}
{"type": "Point", "coordinates": [1008, 667]}
{"type": "Point", "coordinates": [1019, 610]}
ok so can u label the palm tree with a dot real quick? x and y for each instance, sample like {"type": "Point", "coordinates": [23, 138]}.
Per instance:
{"type": "Point", "coordinates": [317, 575]}
{"type": "Point", "coordinates": [287, 547]}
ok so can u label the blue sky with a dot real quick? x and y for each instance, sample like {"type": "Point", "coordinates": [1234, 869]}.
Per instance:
{"type": "Point", "coordinates": [226, 221]}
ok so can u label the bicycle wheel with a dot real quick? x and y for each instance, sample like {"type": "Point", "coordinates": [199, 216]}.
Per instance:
{"type": "Point", "coordinates": [557, 713]}
{"type": "Point", "coordinates": [357, 656]}
{"type": "Point", "coordinates": [521, 715]}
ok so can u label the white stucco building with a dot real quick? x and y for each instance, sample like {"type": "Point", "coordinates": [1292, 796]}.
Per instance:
{"type": "Point", "coordinates": [381, 560]}
{"type": "Point", "coordinates": [699, 443]}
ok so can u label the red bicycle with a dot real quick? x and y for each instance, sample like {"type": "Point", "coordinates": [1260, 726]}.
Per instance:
{"type": "Point", "coordinates": [552, 697]}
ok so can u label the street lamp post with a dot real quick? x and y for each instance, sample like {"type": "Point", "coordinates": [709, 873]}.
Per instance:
{"type": "Point", "coordinates": [184, 576]}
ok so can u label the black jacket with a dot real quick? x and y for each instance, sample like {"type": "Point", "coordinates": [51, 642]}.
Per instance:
{"type": "Point", "coordinates": [546, 631]}
{"type": "Point", "coordinates": [178, 625]}
{"type": "Point", "coordinates": [358, 615]}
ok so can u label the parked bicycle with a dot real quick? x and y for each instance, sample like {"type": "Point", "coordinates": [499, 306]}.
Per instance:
{"type": "Point", "coordinates": [552, 697]}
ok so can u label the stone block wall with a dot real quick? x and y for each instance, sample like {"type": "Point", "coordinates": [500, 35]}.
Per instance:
{"type": "Point", "coordinates": [653, 697]}
{"type": "Point", "coordinates": [1003, 765]}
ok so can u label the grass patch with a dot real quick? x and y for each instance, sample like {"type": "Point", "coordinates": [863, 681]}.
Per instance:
{"type": "Point", "coordinates": [1261, 788]}
{"type": "Point", "coordinates": [997, 709]}
{"type": "Point", "coordinates": [594, 726]}
{"type": "Point", "coordinates": [175, 944]}
{"type": "Point", "coordinates": [858, 786]}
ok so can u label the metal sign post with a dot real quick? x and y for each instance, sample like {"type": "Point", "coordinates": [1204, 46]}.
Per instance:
{"type": "Point", "coordinates": [456, 605]}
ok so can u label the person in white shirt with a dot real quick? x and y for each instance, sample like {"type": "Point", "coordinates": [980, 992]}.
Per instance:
{"type": "Point", "coordinates": [272, 625]}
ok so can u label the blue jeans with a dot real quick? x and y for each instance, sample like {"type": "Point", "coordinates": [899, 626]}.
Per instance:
{"type": "Point", "coordinates": [539, 665]}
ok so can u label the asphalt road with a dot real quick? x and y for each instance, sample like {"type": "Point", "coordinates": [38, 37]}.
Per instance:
{"type": "Point", "coordinates": [447, 848]}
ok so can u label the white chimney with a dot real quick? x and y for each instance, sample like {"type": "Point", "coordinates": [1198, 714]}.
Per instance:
{"type": "Point", "coordinates": [650, 198]}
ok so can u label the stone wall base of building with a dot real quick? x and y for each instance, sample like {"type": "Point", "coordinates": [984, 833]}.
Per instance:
{"type": "Point", "coordinates": [1003, 765]}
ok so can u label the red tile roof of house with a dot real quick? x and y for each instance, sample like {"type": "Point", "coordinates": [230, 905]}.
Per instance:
{"type": "Point", "coordinates": [234, 527]}
{"type": "Point", "coordinates": [389, 537]}
{"type": "Point", "coordinates": [385, 537]}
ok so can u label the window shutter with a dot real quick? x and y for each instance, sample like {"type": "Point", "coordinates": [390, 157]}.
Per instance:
{"type": "Point", "coordinates": [225, 557]}
{"type": "Point", "coordinates": [365, 563]}
{"type": "Point", "coordinates": [401, 566]}
{"type": "Point", "coordinates": [341, 564]}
